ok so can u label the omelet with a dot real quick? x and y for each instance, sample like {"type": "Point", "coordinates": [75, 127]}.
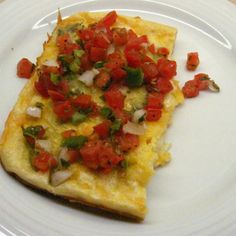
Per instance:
{"type": "Point", "coordinates": [122, 189]}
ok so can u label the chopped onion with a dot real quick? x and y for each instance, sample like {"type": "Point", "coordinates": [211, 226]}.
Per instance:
{"type": "Point", "coordinates": [124, 90]}
{"type": "Point", "coordinates": [213, 86]}
{"type": "Point", "coordinates": [60, 177]}
{"type": "Point", "coordinates": [51, 62]}
{"type": "Point", "coordinates": [110, 49]}
{"type": "Point", "coordinates": [95, 71]}
{"type": "Point", "coordinates": [34, 112]}
{"type": "Point", "coordinates": [134, 128]}
{"type": "Point", "coordinates": [138, 114]}
{"type": "Point", "coordinates": [43, 144]}
{"type": "Point", "coordinates": [63, 155]}
{"type": "Point", "coordinates": [87, 77]}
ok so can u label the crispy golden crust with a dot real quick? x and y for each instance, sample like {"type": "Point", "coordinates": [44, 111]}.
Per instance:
{"type": "Point", "coordinates": [121, 192]}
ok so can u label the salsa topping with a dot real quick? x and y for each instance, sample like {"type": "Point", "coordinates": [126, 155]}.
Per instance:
{"type": "Point", "coordinates": [115, 61]}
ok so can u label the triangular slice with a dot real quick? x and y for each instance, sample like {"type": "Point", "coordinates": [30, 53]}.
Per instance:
{"type": "Point", "coordinates": [107, 167]}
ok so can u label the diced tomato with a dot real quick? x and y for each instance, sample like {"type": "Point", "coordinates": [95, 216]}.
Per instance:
{"type": "Point", "coordinates": [164, 85]}
{"type": "Point", "coordinates": [83, 101]}
{"type": "Point", "coordinates": [191, 89]}
{"type": "Point", "coordinates": [63, 110]}
{"type": "Point", "coordinates": [97, 54]}
{"type": "Point", "coordinates": [127, 142]}
{"type": "Point", "coordinates": [99, 155]}
{"type": "Point", "coordinates": [203, 81]}
{"type": "Point", "coordinates": [150, 71]}
{"type": "Point", "coordinates": [73, 155]}
{"type": "Point", "coordinates": [114, 98]}
{"type": "Point", "coordinates": [108, 20]}
{"type": "Point", "coordinates": [155, 101]}
{"type": "Point", "coordinates": [115, 60]}
{"type": "Point", "coordinates": [94, 109]}
{"type": "Point", "coordinates": [122, 115]}
{"type": "Point", "coordinates": [88, 45]}
{"type": "Point", "coordinates": [153, 114]}
{"type": "Point", "coordinates": [44, 161]}
{"type": "Point", "coordinates": [64, 86]}
{"type": "Point", "coordinates": [41, 88]}
{"type": "Point", "coordinates": [85, 62]}
{"type": "Point", "coordinates": [65, 45]}
{"type": "Point", "coordinates": [103, 129]}
{"type": "Point", "coordinates": [136, 43]}
{"type": "Point", "coordinates": [102, 80]}
{"type": "Point", "coordinates": [56, 96]}
{"type": "Point", "coordinates": [152, 49]}
{"type": "Point", "coordinates": [192, 61]}
{"type": "Point", "coordinates": [24, 68]}
{"type": "Point", "coordinates": [133, 57]}
{"type": "Point", "coordinates": [118, 74]}
{"type": "Point", "coordinates": [30, 140]}
{"type": "Point", "coordinates": [163, 51]}
{"type": "Point", "coordinates": [86, 34]}
{"type": "Point", "coordinates": [166, 68]}
{"type": "Point", "coordinates": [120, 36]}
{"type": "Point", "coordinates": [69, 133]}
{"type": "Point", "coordinates": [101, 40]}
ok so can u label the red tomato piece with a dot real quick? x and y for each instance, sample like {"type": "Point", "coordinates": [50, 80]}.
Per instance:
{"type": "Point", "coordinates": [153, 114]}
{"type": "Point", "coordinates": [44, 161]}
{"type": "Point", "coordinates": [147, 59]}
{"type": "Point", "coordinates": [102, 80]}
{"type": "Point", "coordinates": [192, 61]}
{"type": "Point", "coordinates": [150, 71]}
{"type": "Point", "coordinates": [86, 34]}
{"type": "Point", "coordinates": [134, 58]}
{"type": "Point", "coordinates": [118, 74]}
{"type": "Point", "coordinates": [63, 110]}
{"type": "Point", "coordinates": [164, 85]}
{"type": "Point", "coordinates": [155, 101]}
{"type": "Point", "coordinates": [30, 140]}
{"type": "Point", "coordinates": [83, 101]}
{"type": "Point", "coordinates": [101, 40]}
{"type": "Point", "coordinates": [69, 133]}
{"type": "Point", "coordinates": [103, 129]}
{"type": "Point", "coordinates": [56, 96]}
{"type": "Point", "coordinates": [163, 51]}
{"type": "Point", "coordinates": [85, 62]}
{"type": "Point", "coordinates": [131, 35]}
{"type": "Point", "coordinates": [94, 109]}
{"type": "Point", "coordinates": [136, 43]}
{"type": "Point", "coordinates": [127, 142]}
{"type": "Point", "coordinates": [63, 86]}
{"type": "Point", "coordinates": [41, 88]}
{"type": "Point", "coordinates": [114, 98]}
{"type": "Point", "coordinates": [49, 69]}
{"type": "Point", "coordinates": [120, 36]}
{"type": "Point", "coordinates": [203, 81]}
{"type": "Point", "coordinates": [24, 68]}
{"type": "Point", "coordinates": [152, 49]}
{"type": "Point", "coordinates": [122, 115]}
{"type": "Point", "coordinates": [115, 60]}
{"type": "Point", "coordinates": [108, 20]}
{"type": "Point", "coordinates": [73, 155]}
{"type": "Point", "coordinates": [190, 89]}
{"type": "Point", "coordinates": [166, 68]}
{"type": "Point", "coordinates": [65, 45]}
{"type": "Point", "coordinates": [97, 54]}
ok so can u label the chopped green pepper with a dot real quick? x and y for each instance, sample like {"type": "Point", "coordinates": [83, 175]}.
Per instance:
{"type": "Point", "coordinates": [99, 64]}
{"type": "Point", "coordinates": [32, 131]}
{"type": "Point", "coordinates": [134, 77]}
{"type": "Point", "coordinates": [78, 53]}
{"type": "Point", "coordinates": [55, 78]}
{"type": "Point", "coordinates": [75, 141]}
{"type": "Point", "coordinates": [116, 125]}
{"type": "Point", "coordinates": [107, 113]}
{"type": "Point", "coordinates": [124, 164]}
{"type": "Point", "coordinates": [78, 118]}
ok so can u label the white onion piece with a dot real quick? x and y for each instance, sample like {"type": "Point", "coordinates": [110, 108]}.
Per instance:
{"type": "Point", "coordinates": [60, 177]}
{"type": "Point", "coordinates": [51, 62]}
{"type": "Point", "coordinates": [124, 90]}
{"type": "Point", "coordinates": [138, 114]}
{"type": "Point", "coordinates": [44, 144]}
{"type": "Point", "coordinates": [63, 155]}
{"type": "Point", "coordinates": [110, 49]}
{"type": "Point", "coordinates": [134, 128]}
{"type": "Point", "coordinates": [34, 112]}
{"type": "Point", "coordinates": [95, 71]}
{"type": "Point", "coordinates": [87, 77]}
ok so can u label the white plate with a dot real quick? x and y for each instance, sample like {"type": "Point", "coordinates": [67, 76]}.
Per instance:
{"type": "Point", "coordinates": [195, 194]}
